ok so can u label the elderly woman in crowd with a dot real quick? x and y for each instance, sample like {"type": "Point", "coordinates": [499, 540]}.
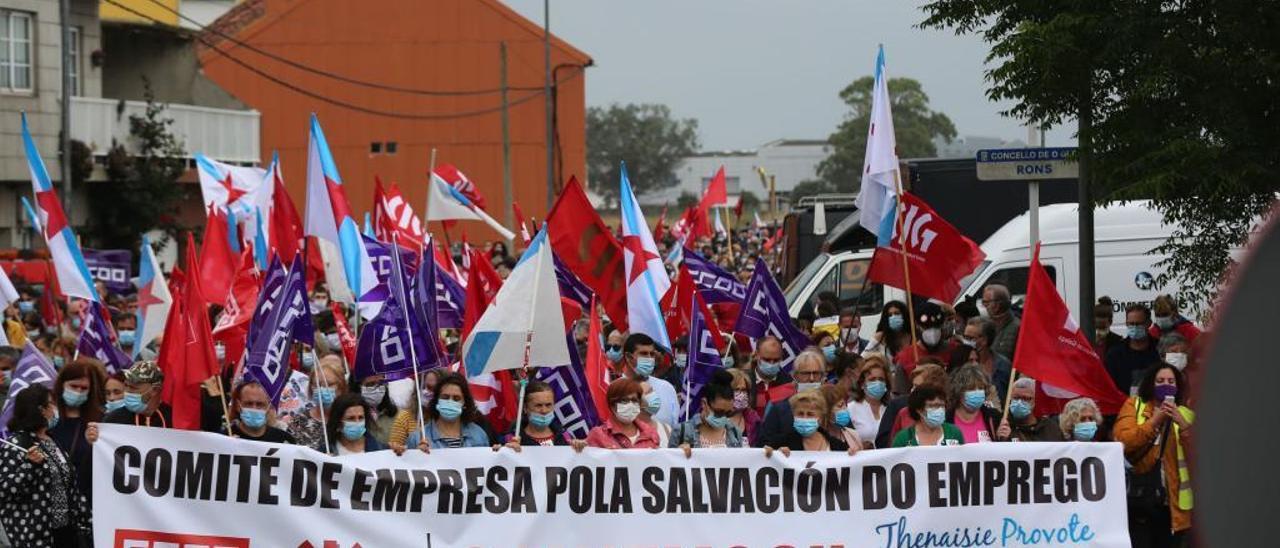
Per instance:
{"type": "Point", "coordinates": [811, 426]}
{"type": "Point", "coordinates": [928, 408]}
{"type": "Point", "coordinates": [327, 383]}
{"type": "Point", "coordinates": [1022, 423]}
{"type": "Point", "coordinates": [1080, 419]}
{"type": "Point", "coordinates": [967, 394]}
{"type": "Point", "coordinates": [623, 429]}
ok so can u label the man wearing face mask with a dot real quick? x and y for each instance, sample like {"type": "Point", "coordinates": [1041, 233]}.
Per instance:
{"type": "Point", "coordinates": [1104, 338]}
{"type": "Point", "coordinates": [997, 306]}
{"type": "Point", "coordinates": [772, 384]}
{"type": "Point", "coordinates": [810, 370]}
{"type": "Point", "coordinates": [1022, 424]}
{"type": "Point", "coordinates": [1125, 363]}
{"type": "Point", "coordinates": [931, 344]}
{"type": "Point", "coordinates": [978, 334]}
{"type": "Point", "coordinates": [613, 341]}
{"type": "Point", "coordinates": [142, 405]}
{"type": "Point", "coordinates": [639, 360]}
{"type": "Point", "coordinates": [850, 325]}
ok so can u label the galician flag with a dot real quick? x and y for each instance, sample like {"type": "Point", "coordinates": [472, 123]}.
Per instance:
{"type": "Point", "coordinates": [647, 280]}
{"type": "Point", "coordinates": [880, 164]}
{"type": "Point", "coordinates": [447, 203]}
{"type": "Point", "coordinates": [526, 308]}
{"type": "Point", "coordinates": [231, 188]}
{"type": "Point", "coordinates": [329, 216]}
{"type": "Point", "coordinates": [68, 262]}
{"type": "Point", "coordinates": [154, 299]}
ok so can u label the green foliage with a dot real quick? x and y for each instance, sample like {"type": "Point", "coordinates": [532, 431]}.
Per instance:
{"type": "Point", "coordinates": [810, 188]}
{"type": "Point", "coordinates": [142, 190]}
{"type": "Point", "coordinates": [1184, 99]}
{"type": "Point", "coordinates": [646, 137]}
{"type": "Point", "coordinates": [915, 126]}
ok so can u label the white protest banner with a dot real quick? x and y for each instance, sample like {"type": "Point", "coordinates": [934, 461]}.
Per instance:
{"type": "Point", "coordinates": [156, 487]}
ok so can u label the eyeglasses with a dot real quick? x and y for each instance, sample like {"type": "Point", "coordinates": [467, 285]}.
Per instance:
{"type": "Point", "coordinates": [808, 375]}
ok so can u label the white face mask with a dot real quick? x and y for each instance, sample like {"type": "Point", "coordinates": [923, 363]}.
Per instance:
{"type": "Point", "coordinates": [931, 336]}
{"type": "Point", "coordinates": [1176, 359]}
{"type": "Point", "coordinates": [627, 412]}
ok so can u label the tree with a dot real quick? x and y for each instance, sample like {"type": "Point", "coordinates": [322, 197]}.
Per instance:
{"type": "Point", "coordinates": [142, 189]}
{"type": "Point", "coordinates": [646, 137]}
{"type": "Point", "coordinates": [1174, 102]}
{"type": "Point", "coordinates": [810, 188]}
{"type": "Point", "coordinates": [914, 125]}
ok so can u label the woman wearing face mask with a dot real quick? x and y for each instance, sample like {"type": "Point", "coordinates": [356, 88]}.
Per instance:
{"type": "Point", "coordinates": [827, 344]}
{"type": "Point", "coordinates": [1166, 320]}
{"type": "Point", "coordinates": [348, 421]}
{"type": "Point", "coordinates": [811, 426]}
{"type": "Point", "coordinates": [382, 410]}
{"type": "Point", "coordinates": [1156, 429]}
{"type": "Point", "coordinates": [968, 393]}
{"type": "Point", "coordinates": [1080, 419]}
{"type": "Point", "coordinates": [622, 429]}
{"type": "Point", "coordinates": [451, 418]}
{"type": "Point", "coordinates": [540, 427]}
{"type": "Point", "coordinates": [870, 395]}
{"type": "Point", "coordinates": [406, 421]}
{"type": "Point", "coordinates": [841, 425]}
{"type": "Point", "coordinates": [113, 391]}
{"type": "Point", "coordinates": [40, 504]}
{"type": "Point", "coordinates": [252, 415]}
{"type": "Point", "coordinates": [712, 427]}
{"type": "Point", "coordinates": [928, 408]}
{"type": "Point", "coordinates": [78, 393]}
{"type": "Point", "coordinates": [650, 406]}
{"type": "Point", "coordinates": [1173, 348]}
{"type": "Point", "coordinates": [327, 383]}
{"type": "Point", "coordinates": [745, 418]}
{"type": "Point", "coordinates": [892, 333]}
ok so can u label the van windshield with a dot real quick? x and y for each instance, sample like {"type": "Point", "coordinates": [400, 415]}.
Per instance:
{"type": "Point", "coordinates": [967, 280]}
{"type": "Point", "coordinates": [802, 279]}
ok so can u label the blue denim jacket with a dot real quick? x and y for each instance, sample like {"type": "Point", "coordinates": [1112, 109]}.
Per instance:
{"type": "Point", "coordinates": [688, 433]}
{"type": "Point", "coordinates": [472, 436]}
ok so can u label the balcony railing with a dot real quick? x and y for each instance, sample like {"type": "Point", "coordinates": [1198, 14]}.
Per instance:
{"type": "Point", "coordinates": [222, 134]}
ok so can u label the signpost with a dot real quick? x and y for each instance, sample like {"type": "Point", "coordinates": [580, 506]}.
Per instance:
{"type": "Point", "coordinates": [1032, 165]}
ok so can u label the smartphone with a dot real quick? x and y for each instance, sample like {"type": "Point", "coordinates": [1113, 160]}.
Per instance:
{"type": "Point", "coordinates": [1169, 400]}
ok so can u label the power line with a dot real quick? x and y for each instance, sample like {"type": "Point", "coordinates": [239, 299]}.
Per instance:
{"type": "Point", "coordinates": [335, 76]}
{"type": "Point", "coordinates": [337, 102]}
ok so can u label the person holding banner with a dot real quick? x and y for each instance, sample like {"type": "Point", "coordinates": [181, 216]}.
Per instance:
{"type": "Point", "coordinates": [78, 393]}
{"type": "Point", "coordinates": [897, 416]}
{"type": "Point", "coordinates": [870, 394]}
{"type": "Point", "coordinates": [142, 399]}
{"type": "Point", "coordinates": [252, 415]}
{"type": "Point", "coordinates": [1080, 419]}
{"type": "Point", "coordinates": [811, 426]}
{"type": "Point", "coordinates": [541, 429]}
{"type": "Point", "coordinates": [713, 426]}
{"type": "Point", "coordinates": [1155, 427]}
{"type": "Point", "coordinates": [841, 425]}
{"type": "Point", "coordinates": [40, 504]}
{"type": "Point", "coordinates": [374, 391]}
{"type": "Point", "coordinates": [1022, 423]}
{"type": "Point", "coordinates": [622, 430]}
{"type": "Point", "coordinates": [327, 383]}
{"type": "Point", "coordinates": [928, 408]}
{"type": "Point", "coordinates": [451, 418]}
{"type": "Point", "coordinates": [967, 398]}
{"type": "Point", "coordinates": [777, 428]}
{"type": "Point", "coordinates": [349, 419]}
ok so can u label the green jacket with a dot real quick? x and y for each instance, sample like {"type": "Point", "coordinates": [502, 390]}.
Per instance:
{"type": "Point", "coordinates": [950, 436]}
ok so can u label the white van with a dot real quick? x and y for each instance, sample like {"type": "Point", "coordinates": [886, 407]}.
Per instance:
{"type": "Point", "coordinates": [1125, 270]}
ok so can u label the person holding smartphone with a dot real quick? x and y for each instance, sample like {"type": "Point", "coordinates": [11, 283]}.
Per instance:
{"type": "Point", "coordinates": [1156, 427]}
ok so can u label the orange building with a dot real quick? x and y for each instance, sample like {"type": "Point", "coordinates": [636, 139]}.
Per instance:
{"type": "Point", "coordinates": [392, 79]}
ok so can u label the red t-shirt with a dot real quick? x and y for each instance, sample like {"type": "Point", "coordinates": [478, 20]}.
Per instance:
{"type": "Point", "coordinates": [908, 357]}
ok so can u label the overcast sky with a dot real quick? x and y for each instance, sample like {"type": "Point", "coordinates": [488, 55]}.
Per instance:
{"type": "Point", "coordinates": [751, 71]}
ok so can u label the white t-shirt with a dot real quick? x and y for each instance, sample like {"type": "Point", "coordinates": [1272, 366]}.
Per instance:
{"type": "Point", "coordinates": [865, 423]}
{"type": "Point", "coordinates": [670, 408]}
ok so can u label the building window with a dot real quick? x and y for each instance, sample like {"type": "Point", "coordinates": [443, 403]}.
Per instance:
{"type": "Point", "coordinates": [375, 147]}
{"type": "Point", "coordinates": [16, 50]}
{"type": "Point", "coordinates": [392, 147]}
{"type": "Point", "coordinates": [76, 56]}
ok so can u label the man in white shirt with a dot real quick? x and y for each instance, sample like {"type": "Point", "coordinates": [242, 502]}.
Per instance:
{"type": "Point", "coordinates": [640, 357]}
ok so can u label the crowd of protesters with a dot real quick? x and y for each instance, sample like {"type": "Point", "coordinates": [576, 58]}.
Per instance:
{"type": "Point", "coordinates": [937, 376]}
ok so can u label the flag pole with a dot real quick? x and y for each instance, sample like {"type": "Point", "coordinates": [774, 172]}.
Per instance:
{"type": "Point", "coordinates": [1013, 376]}
{"type": "Point", "coordinates": [729, 219]}
{"type": "Point", "coordinates": [902, 244]}
{"type": "Point", "coordinates": [404, 304]}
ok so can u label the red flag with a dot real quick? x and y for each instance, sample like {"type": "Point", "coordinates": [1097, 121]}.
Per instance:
{"type": "Point", "coordinates": [345, 335]}
{"type": "Point", "coordinates": [676, 308]}
{"type": "Point", "coordinates": [659, 229]}
{"type": "Point", "coordinates": [47, 305]}
{"type": "Point", "coordinates": [488, 277]}
{"type": "Point", "coordinates": [588, 248]}
{"type": "Point", "coordinates": [460, 182]}
{"type": "Point", "coordinates": [217, 260]}
{"type": "Point", "coordinates": [596, 368]}
{"type": "Point", "coordinates": [233, 324]}
{"type": "Point", "coordinates": [186, 352]}
{"type": "Point", "coordinates": [286, 226]}
{"type": "Point", "coordinates": [393, 215]}
{"type": "Point", "coordinates": [717, 193]}
{"type": "Point", "coordinates": [693, 223]}
{"type": "Point", "coordinates": [773, 240]}
{"type": "Point", "coordinates": [524, 227]}
{"type": "Point", "coordinates": [737, 209]}
{"type": "Point", "coordinates": [938, 255]}
{"type": "Point", "coordinates": [1052, 349]}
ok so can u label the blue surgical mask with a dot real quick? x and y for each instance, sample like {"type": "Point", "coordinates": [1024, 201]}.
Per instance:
{"type": "Point", "coordinates": [1019, 409]}
{"type": "Point", "coordinates": [935, 416]}
{"type": "Point", "coordinates": [334, 340]}
{"type": "Point", "coordinates": [353, 430]}
{"type": "Point", "coordinates": [843, 419]}
{"type": "Point", "coordinates": [728, 362]}
{"type": "Point", "coordinates": [717, 422]}
{"type": "Point", "coordinates": [253, 418]}
{"type": "Point", "coordinates": [449, 409]}
{"type": "Point", "coordinates": [114, 405]}
{"type": "Point", "coordinates": [875, 389]}
{"type": "Point", "coordinates": [767, 368]}
{"type": "Point", "coordinates": [652, 403]}
{"type": "Point", "coordinates": [58, 362]}
{"type": "Point", "coordinates": [74, 398]}
{"type": "Point", "coordinates": [133, 402]}
{"type": "Point", "coordinates": [308, 361]}
{"type": "Point", "coordinates": [805, 427]}
{"type": "Point", "coordinates": [830, 352]}
{"type": "Point", "coordinates": [26, 307]}
{"type": "Point", "coordinates": [1165, 323]}
{"type": "Point", "coordinates": [644, 365]}
{"type": "Point", "coordinates": [75, 324]}
{"type": "Point", "coordinates": [896, 322]}
{"type": "Point", "coordinates": [1136, 332]}
{"type": "Point", "coordinates": [974, 399]}
{"type": "Point", "coordinates": [1084, 431]}
{"type": "Point", "coordinates": [541, 420]}
{"type": "Point", "coordinates": [53, 421]}
{"type": "Point", "coordinates": [613, 355]}
{"type": "Point", "coordinates": [326, 394]}
{"type": "Point", "coordinates": [126, 337]}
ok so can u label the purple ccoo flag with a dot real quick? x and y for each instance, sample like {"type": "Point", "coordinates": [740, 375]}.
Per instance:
{"type": "Point", "coordinates": [32, 368]}
{"type": "Point", "coordinates": [380, 255]}
{"type": "Point", "coordinates": [703, 358]}
{"type": "Point", "coordinates": [764, 312]}
{"type": "Point", "coordinates": [450, 300]}
{"type": "Point", "coordinates": [384, 346]}
{"type": "Point", "coordinates": [286, 317]}
{"type": "Point", "coordinates": [272, 283]}
{"type": "Point", "coordinates": [571, 287]}
{"type": "Point", "coordinates": [574, 410]}
{"type": "Point", "coordinates": [716, 284]}
{"type": "Point", "coordinates": [112, 267]}
{"type": "Point", "coordinates": [96, 341]}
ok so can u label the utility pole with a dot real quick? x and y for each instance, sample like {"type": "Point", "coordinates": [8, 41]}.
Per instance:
{"type": "Point", "coordinates": [507, 197]}
{"type": "Point", "coordinates": [1085, 138]}
{"type": "Point", "coordinates": [64, 159]}
{"type": "Point", "coordinates": [546, 90]}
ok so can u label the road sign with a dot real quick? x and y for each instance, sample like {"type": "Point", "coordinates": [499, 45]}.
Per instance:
{"type": "Point", "coordinates": [1027, 164]}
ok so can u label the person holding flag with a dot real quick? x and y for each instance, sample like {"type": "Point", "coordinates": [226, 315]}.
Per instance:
{"type": "Point", "coordinates": [40, 504]}
{"type": "Point", "coordinates": [452, 419]}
